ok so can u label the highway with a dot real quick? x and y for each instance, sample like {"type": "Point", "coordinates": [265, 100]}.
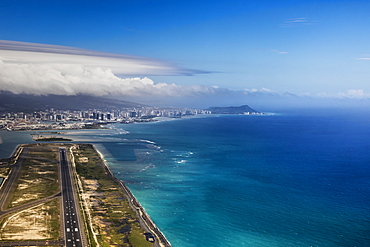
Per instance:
{"type": "Point", "coordinates": [71, 222]}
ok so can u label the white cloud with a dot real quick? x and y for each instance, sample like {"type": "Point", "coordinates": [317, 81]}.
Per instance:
{"type": "Point", "coordinates": [67, 79]}
{"type": "Point", "coordinates": [280, 52]}
{"type": "Point", "coordinates": [364, 58]}
{"type": "Point", "coordinates": [349, 94]}
{"type": "Point", "coordinates": [46, 69]}
{"type": "Point", "coordinates": [295, 22]}
{"type": "Point", "coordinates": [354, 94]}
{"type": "Point", "coordinates": [31, 53]}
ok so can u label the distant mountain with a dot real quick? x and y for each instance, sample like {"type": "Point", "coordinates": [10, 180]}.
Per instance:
{"type": "Point", "coordinates": [244, 109]}
{"type": "Point", "coordinates": [10, 102]}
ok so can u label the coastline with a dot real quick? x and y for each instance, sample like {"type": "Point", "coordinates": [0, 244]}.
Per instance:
{"type": "Point", "coordinates": [145, 221]}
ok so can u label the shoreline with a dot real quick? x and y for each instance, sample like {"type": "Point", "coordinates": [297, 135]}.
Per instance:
{"type": "Point", "coordinates": [145, 221]}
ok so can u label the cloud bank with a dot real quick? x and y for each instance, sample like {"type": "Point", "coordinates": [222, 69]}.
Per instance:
{"type": "Point", "coordinates": [48, 69]}
{"type": "Point", "coordinates": [13, 52]}
{"type": "Point", "coordinates": [72, 79]}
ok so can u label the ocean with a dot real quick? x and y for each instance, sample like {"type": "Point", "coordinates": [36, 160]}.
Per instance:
{"type": "Point", "coordinates": [295, 179]}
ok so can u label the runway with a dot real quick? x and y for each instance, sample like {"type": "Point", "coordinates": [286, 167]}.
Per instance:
{"type": "Point", "coordinates": [70, 212]}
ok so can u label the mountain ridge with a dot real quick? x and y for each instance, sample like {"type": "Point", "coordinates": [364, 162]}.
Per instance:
{"type": "Point", "coordinates": [10, 102]}
{"type": "Point", "coordinates": [244, 109]}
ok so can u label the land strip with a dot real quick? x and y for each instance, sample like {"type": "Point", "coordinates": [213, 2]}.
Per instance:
{"type": "Point", "coordinates": [30, 206]}
{"type": "Point", "coordinates": [111, 214]}
{"type": "Point", "coordinates": [71, 220]}
{"type": "Point", "coordinates": [8, 184]}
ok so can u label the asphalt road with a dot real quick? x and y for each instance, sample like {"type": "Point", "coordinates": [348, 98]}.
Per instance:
{"type": "Point", "coordinates": [11, 181]}
{"type": "Point", "coordinates": [32, 243]}
{"type": "Point", "coordinates": [72, 227]}
{"type": "Point", "coordinates": [5, 195]}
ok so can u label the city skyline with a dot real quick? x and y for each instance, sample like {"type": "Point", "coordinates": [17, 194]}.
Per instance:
{"type": "Point", "coordinates": [189, 52]}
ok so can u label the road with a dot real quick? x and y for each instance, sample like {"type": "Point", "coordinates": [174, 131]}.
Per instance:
{"type": "Point", "coordinates": [5, 195]}
{"type": "Point", "coordinates": [11, 181]}
{"type": "Point", "coordinates": [71, 220]}
{"type": "Point", "coordinates": [32, 243]}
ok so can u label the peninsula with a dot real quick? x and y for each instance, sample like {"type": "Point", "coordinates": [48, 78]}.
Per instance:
{"type": "Point", "coordinates": [240, 110]}
{"type": "Point", "coordinates": [63, 194]}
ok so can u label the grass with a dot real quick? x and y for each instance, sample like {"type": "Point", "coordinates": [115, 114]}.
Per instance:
{"type": "Point", "coordinates": [118, 223]}
{"type": "Point", "coordinates": [53, 139]}
{"type": "Point", "coordinates": [37, 223]}
{"type": "Point", "coordinates": [136, 238]}
{"type": "Point", "coordinates": [4, 171]}
{"type": "Point", "coordinates": [39, 177]}
{"type": "Point", "coordinates": [54, 212]}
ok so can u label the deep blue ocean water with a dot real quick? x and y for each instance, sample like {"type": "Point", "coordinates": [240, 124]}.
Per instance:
{"type": "Point", "coordinates": [278, 180]}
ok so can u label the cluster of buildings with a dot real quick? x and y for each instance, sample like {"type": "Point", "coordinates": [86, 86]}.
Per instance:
{"type": "Point", "coordinates": [66, 119]}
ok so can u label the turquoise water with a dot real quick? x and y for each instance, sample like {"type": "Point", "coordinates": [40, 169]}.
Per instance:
{"type": "Point", "coordinates": [281, 180]}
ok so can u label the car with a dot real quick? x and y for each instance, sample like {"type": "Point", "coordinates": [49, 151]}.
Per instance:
{"type": "Point", "coordinates": [149, 237]}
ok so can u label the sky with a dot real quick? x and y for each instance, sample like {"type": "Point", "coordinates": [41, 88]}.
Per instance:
{"type": "Point", "coordinates": [189, 53]}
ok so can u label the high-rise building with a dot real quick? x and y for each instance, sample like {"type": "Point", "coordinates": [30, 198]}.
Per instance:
{"type": "Point", "coordinates": [133, 114]}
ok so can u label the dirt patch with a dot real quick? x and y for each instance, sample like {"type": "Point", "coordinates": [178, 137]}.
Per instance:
{"type": "Point", "coordinates": [83, 159]}
{"type": "Point", "coordinates": [46, 172]}
{"type": "Point", "coordinates": [29, 224]}
{"type": "Point", "coordinates": [25, 198]}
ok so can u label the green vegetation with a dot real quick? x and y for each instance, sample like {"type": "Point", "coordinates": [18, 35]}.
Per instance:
{"type": "Point", "coordinates": [95, 126]}
{"type": "Point", "coordinates": [49, 132]}
{"type": "Point", "coordinates": [37, 223]}
{"type": "Point", "coordinates": [232, 110]}
{"type": "Point", "coordinates": [114, 219]}
{"type": "Point", "coordinates": [136, 238]}
{"type": "Point", "coordinates": [39, 176]}
{"type": "Point", "coordinates": [4, 171]}
{"type": "Point", "coordinates": [54, 220]}
{"type": "Point", "coordinates": [108, 216]}
{"type": "Point", "coordinates": [53, 139]}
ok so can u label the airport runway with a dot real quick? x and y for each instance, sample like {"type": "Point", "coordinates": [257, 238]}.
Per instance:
{"type": "Point", "coordinates": [72, 226]}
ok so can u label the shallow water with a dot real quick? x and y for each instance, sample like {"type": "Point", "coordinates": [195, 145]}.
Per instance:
{"type": "Point", "coordinates": [282, 180]}
{"type": "Point", "coordinates": [251, 180]}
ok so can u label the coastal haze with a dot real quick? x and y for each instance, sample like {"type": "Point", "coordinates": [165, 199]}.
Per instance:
{"type": "Point", "coordinates": [218, 123]}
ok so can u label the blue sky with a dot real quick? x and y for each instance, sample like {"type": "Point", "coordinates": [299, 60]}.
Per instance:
{"type": "Point", "coordinates": [318, 49]}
